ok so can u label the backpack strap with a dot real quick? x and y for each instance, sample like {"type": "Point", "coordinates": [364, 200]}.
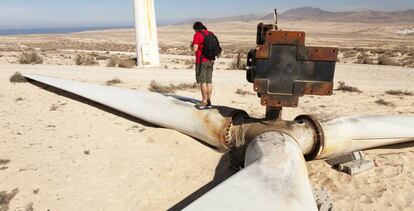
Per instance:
{"type": "Point", "coordinates": [204, 36]}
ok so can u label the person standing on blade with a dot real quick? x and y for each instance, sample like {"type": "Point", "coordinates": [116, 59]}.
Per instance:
{"type": "Point", "coordinates": [206, 48]}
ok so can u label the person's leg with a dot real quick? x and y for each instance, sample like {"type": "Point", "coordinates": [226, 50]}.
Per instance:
{"type": "Point", "coordinates": [209, 74]}
{"type": "Point", "coordinates": [204, 92]}
{"type": "Point", "coordinates": [209, 91]}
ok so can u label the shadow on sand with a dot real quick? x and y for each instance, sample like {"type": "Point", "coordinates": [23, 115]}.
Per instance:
{"type": "Point", "coordinates": [222, 171]}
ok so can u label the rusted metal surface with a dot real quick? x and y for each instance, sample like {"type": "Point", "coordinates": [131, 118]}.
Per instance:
{"type": "Point", "coordinates": [317, 54]}
{"type": "Point", "coordinates": [274, 37]}
{"type": "Point", "coordinates": [283, 69]}
{"type": "Point", "coordinates": [313, 88]}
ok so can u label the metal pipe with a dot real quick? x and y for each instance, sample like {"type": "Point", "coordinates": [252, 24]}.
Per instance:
{"type": "Point", "coordinates": [346, 135]}
{"type": "Point", "coordinates": [168, 111]}
{"type": "Point", "coordinates": [275, 178]}
{"type": "Point", "coordinates": [146, 33]}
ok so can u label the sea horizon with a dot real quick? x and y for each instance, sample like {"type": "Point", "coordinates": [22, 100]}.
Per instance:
{"type": "Point", "coordinates": [57, 30]}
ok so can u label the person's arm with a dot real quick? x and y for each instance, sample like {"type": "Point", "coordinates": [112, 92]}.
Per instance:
{"type": "Point", "coordinates": [195, 47]}
{"type": "Point", "coordinates": [196, 42]}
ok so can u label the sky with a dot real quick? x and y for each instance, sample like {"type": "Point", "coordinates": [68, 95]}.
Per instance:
{"type": "Point", "coordinates": [87, 13]}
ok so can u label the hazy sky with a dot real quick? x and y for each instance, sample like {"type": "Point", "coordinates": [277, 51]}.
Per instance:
{"type": "Point", "coordinates": [71, 13]}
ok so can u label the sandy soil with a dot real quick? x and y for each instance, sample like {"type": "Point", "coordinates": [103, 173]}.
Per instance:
{"type": "Point", "coordinates": [65, 154]}
{"type": "Point", "coordinates": [133, 166]}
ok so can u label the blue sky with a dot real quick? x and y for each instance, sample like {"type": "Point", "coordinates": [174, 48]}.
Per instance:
{"type": "Point", "coordinates": [74, 13]}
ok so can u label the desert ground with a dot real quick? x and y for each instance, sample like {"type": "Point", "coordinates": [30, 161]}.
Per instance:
{"type": "Point", "coordinates": [60, 153]}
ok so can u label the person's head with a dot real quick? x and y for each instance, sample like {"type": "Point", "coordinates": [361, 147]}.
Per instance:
{"type": "Point", "coordinates": [198, 26]}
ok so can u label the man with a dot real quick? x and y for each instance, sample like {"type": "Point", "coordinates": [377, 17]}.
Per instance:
{"type": "Point", "coordinates": [204, 66]}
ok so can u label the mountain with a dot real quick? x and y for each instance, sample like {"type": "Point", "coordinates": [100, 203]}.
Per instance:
{"type": "Point", "coordinates": [366, 16]}
{"type": "Point", "coordinates": [317, 14]}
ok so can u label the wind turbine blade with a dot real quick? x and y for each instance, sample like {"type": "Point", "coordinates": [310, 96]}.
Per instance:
{"type": "Point", "coordinates": [275, 178]}
{"type": "Point", "coordinates": [168, 111]}
{"type": "Point", "coordinates": [351, 134]}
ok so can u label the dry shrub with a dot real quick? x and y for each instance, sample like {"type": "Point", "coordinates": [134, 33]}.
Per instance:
{"type": "Point", "coordinates": [171, 89]}
{"type": "Point", "coordinates": [85, 60]}
{"type": "Point", "coordinates": [113, 81]}
{"type": "Point", "coordinates": [102, 57]}
{"type": "Point", "coordinates": [113, 62]}
{"type": "Point", "coordinates": [232, 65]}
{"type": "Point", "coordinates": [399, 92]}
{"type": "Point", "coordinates": [29, 207]}
{"type": "Point", "coordinates": [156, 87]}
{"type": "Point", "coordinates": [242, 92]}
{"type": "Point", "coordinates": [385, 60]}
{"type": "Point", "coordinates": [17, 77]}
{"type": "Point", "coordinates": [363, 58]}
{"type": "Point", "coordinates": [127, 63]}
{"type": "Point", "coordinates": [185, 86]}
{"type": "Point", "coordinates": [349, 54]}
{"type": "Point", "coordinates": [384, 103]}
{"type": "Point", "coordinates": [5, 199]}
{"type": "Point", "coordinates": [30, 57]}
{"type": "Point", "coordinates": [346, 88]}
{"type": "Point", "coordinates": [4, 161]}
{"type": "Point", "coordinates": [189, 61]}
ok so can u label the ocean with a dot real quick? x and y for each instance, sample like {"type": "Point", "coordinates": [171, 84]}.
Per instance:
{"type": "Point", "coordinates": [56, 30]}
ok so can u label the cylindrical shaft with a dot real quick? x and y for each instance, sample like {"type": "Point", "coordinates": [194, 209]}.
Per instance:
{"type": "Point", "coordinates": [146, 33]}
{"type": "Point", "coordinates": [275, 178]}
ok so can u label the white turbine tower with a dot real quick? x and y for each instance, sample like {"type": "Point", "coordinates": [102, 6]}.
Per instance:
{"type": "Point", "coordinates": [146, 34]}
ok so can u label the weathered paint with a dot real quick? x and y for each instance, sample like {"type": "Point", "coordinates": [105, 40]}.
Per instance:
{"type": "Point", "coordinates": [275, 178]}
{"type": "Point", "coordinates": [146, 33]}
{"type": "Point", "coordinates": [346, 135]}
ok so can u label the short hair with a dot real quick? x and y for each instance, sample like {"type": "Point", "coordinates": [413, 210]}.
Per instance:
{"type": "Point", "coordinates": [198, 26]}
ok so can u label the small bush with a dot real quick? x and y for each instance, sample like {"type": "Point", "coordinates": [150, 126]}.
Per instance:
{"type": "Point", "coordinates": [5, 199]}
{"type": "Point", "coordinates": [17, 77]}
{"type": "Point", "coordinates": [399, 92]}
{"type": "Point", "coordinates": [385, 60]}
{"type": "Point", "coordinates": [185, 86]}
{"type": "Point", "coordinates": [30, 58]}
{"type": "Point", "coordinates": [29, 207]}
{"type": "Point", "coordinates": [189, 61]}
{"type": "Point", "coordinates": [113, 81]}
{"type": "Point", "coordinates": [127, 63]}
{"type": "Point", "coordinates": [85, 60]}
{"type": "Point", "coordinates": [101, 57]}
{"type": "Point", "coordinates": [385, 103]}
{"type": "Point", "coordinates": [4, 161]}
{"type": "Point", "coordinates": [346, 88]}
{"type": "Point", "coordinates": [363, 58]}
{"type": "Point", "coordinates": [242, 92]}
{"type": "Point", "coordinates": [232, 65]}
{"type": "Point", "coordinates": [171, 89]}
{"type": "Point", "coordinates": [113, 62]}
{"type": "Point", "coordinates": [156, 87]}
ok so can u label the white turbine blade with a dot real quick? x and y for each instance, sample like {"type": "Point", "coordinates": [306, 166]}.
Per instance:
{"type": "Point", "coordinates": [351, 134]}
{"type": "Point", "coordinates": [275, 178]}
{"type": "Point", "coordinates": [173, 112]}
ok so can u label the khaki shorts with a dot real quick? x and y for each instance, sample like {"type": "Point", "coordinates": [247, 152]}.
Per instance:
{"type": "Point", "coordinates": [204, 72]}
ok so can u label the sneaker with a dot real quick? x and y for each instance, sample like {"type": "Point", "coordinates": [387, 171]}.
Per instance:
{"type": "Point", "coordinates": [209, 104]}
{"type": "Point", "coordinates": [202, 105]}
